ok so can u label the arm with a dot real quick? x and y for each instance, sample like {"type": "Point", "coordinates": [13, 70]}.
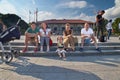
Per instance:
{"type": "Point", "coordinates": [84, 36]}
{"type": "Point", "coordinates": [71, 33]}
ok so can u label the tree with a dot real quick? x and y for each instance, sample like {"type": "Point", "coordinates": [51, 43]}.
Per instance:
{"type": "Point", "coordinates": [11, 19]}
{"type": "Point", "coordinates": [115, 26]}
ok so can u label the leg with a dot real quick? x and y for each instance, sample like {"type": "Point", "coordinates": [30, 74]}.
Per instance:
{"type": "Point", "coordinates": [27, 38]}
{"type": "Point", "coordinates": [36, 41]}
{"type": "Point", "coordinates": [71, 41]}
{"type": "Point", "coordinates": [95, 43]}
{"type": "Point", "coordinates": [63, 54]}
{"type": "Point", "coordinates": [58, 52]}
{"type": "Point", "coordinates": [82, 41]}
{"type": "Point", "coordinates": [65, 42]}
{"type": "Point", "coordinates": [41, 43]}
{"type": "Point", "coordinates": [98, 32]}
{"type": "Point", "coordinates": [102, 31]}
{"type": "Point", "coordinates": [47, 39]}
{"type": "Point", "coordinates": [110, 31]}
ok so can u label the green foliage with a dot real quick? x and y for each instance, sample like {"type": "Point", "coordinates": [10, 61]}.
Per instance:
{"type": "Point", "coordinates": [115, 26]}
{"type": "Point", "coordinates": [11, 20]}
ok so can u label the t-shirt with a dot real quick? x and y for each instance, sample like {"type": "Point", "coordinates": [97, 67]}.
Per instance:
{"type": "Point", "coordinates": [30, 30]}
{"type": "Point", "coordinates": [44, 33]}
{"type": "Point", "coordinates": [60, 45]}
{"type": "Point", "coordinates": [119, 25]}
{"type": "Point", "coordinates": [67, 32]}
{"type": "Point", "coordinates": [109, 26]}
{"type": "Point", "coordinates": [88, 32]}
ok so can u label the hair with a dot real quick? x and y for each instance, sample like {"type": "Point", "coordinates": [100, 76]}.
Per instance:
{"type": "Point", "coordinates": [102, 11]}
{"type": "Point", "coordinates": [44, 23]}
{"type": "Point", "coordinates": [67, 24]}
{"type": "Point", "coordinates": [59, 38]}
{"type": "Point", "coordinates": [33, 23]}
{"type": "Point", "coordinates": [86, 24]}
{"type": "Point", "coordinates": [110, 20]}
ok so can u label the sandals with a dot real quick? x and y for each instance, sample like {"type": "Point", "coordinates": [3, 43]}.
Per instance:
{"type": "Point", "coordinates": [36, 49]}
{"type": "Point", "coordinates": [24, 50]}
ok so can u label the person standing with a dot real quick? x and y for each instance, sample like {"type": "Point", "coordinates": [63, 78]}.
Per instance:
{"type": "Point", "coordinates": [109, 28]}
{"type": "Point", "coordinates": [100, 23]}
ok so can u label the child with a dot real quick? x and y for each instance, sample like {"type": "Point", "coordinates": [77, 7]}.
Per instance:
{"type": "Point", "coordinates": [61, 52]}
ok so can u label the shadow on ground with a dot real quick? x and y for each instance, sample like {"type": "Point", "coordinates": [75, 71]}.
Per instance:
{"type": "Point", "coordinates": [103, 60]}
{"type": "Point", "coordinates": [41, 72]}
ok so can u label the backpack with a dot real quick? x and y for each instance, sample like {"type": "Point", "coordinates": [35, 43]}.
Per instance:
{"type": "Point", "coordinates": [102, 39]}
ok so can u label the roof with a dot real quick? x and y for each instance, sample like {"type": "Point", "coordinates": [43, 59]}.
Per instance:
{"type": "Point", "coordinates": [65, 21]}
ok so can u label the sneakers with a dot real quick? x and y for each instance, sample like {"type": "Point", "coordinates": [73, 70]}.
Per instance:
{"type": "Point", "coordinates": [81, 49]}
{"type": "Point", "coordinates": [64, 58]}
{"type": "Point", "coordinates": [98, 49]}
{"type": "Point", "coordinates": [36, 49]}
{"type": "Point", "coordinates": [24, 50]}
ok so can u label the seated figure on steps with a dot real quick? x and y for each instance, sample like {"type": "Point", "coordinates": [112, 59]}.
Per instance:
{"type": "Point", "coordinates": [60, 50]}
{"type": "Point", "coordinates": [31, 35]}
{"type": "Point", "coordinates": [86, 35]}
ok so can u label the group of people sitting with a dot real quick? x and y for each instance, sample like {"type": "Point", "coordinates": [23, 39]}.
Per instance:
{"type": "Point", "coordinates": [63, 42]}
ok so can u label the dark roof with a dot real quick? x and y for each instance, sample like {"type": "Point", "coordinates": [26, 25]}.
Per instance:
{"type": "Point", "coordinates": [65, 21]}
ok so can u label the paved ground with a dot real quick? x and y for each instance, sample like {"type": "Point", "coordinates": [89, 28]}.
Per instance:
{"type": "Point", "coordinates": [52, 68]}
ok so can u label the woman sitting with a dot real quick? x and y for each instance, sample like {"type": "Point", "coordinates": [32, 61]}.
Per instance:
{"type": "Point", "coordinates": [44, 34]}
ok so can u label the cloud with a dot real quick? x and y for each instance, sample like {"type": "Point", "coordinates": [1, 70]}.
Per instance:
{"type": "Point", "coordinates": [113, 12]}
{"type": "Point", "coordinates": [42, 15]}
{"type": "Point", "coordinates": [74, 4]}
{"type": "Point", "coordinates": [6, 7]}
{"type": "Point", "coordinates": [83, 16]}
{"type": "Point", "coordinates": [33, 1]}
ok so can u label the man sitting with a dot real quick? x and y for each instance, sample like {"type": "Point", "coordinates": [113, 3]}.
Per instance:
{"type": "Point", "coordinates": [87, 34]}
{"type": "Point", "coordinates": [31, 34]}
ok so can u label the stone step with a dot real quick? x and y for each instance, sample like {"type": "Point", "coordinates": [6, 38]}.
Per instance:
{"type": "Point", "coordinates": [76, 53]}
{"type": "Point", "coordinates": [55, 44]}
{"type": "Point", "coordinates": [53, 48]}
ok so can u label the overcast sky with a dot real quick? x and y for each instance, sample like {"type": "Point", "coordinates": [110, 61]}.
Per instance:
{"type": "Point", "coordinates": [61, 9]}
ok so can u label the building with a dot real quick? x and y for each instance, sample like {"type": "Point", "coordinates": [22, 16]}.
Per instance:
{"type": "Point", "coordinates": [58, 25]}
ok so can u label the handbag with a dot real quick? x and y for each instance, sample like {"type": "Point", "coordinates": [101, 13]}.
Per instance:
{"type": "Point", "coordinates": [50, 42]}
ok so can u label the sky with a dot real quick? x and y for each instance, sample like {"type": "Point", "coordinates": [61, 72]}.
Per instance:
{"type": "Point", "coordinates": [61, 9]}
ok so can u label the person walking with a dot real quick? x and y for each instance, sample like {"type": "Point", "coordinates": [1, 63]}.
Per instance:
{"type": "Point", "coordinates": [109, 28]}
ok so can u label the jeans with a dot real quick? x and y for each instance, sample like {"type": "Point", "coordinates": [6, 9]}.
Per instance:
{"type": "Point", "coordinates": [109, 33]}
{"type": "Point", "coordinates": [100, 29]}
{"type": "Point", "coordinates": [44, 40]}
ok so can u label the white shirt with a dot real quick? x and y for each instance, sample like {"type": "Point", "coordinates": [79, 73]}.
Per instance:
{"type": "Point", "coordinates": [119, 25]}
{"type": "Point", "coordinates": [109, 26]}
{"type": "Point", "coordinates": [88, 32]}
{"type": "Point", "coordinates": [44, 33]}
